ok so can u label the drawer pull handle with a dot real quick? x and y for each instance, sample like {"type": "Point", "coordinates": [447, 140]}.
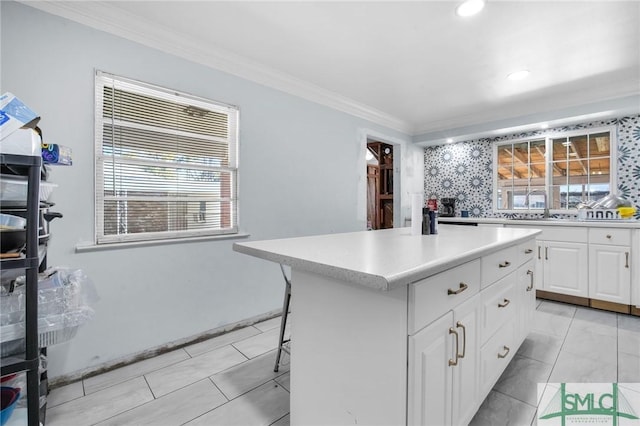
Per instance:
{"type": "Point", "coordinates": [608, 236]}
{"type": "Point", "coordinates": [464, 338]}
{"type": "Point", "coordinates": [504, 264]}
{"type": "Point", "coordinates": [626, 262]}
{"type": "Point", "coordinates": [504, 304]}
{"type": "Point", "coordinates": [530, 273]}
{"type": "Point", "coordinates": [452, 362]}
{"type": "Point", "coordinates": [528, 251]}
{"type": "Point", "coordinates": [504, 355]}
{"type": "Point", "coordinates": [546, 253]}
{"type": "Point", "coordinates": [462, 288]}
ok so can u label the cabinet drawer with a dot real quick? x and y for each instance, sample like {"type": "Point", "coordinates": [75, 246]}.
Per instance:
{"type": "Point", "coordinates": [495, 355]}
{"type": "Point", "coordinates": [433, 296]}
{"type": "Point", "coordinates": [499, 305]}
{"type": "Point", "coordinates": [610, 236]}
{"type": "Point", "coordinates": [497, 265]}
{"type": "Point", "coordinates": [574, 234]}
{"type": "Point", "coordinates": [526, 251]}
{"type": "Point", "coordinates": [564, 234]}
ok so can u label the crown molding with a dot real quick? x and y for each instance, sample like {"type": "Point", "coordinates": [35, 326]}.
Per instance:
{"type": "Point", "coordinates": [107, 17]}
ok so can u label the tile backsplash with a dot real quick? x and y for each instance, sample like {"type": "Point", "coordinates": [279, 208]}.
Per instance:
{"type": "Point", "coordinates": [464, 170]}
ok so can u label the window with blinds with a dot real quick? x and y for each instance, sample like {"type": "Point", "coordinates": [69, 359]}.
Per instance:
{"type": "Point", "coordinates": [166, 163]}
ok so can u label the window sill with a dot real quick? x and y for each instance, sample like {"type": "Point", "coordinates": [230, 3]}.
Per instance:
{"type": "Point", "coordinates": [89, 247]}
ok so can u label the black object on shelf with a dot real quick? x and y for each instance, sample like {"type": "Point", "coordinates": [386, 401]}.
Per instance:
{"type": "Point", "coordinates": [30, 360]}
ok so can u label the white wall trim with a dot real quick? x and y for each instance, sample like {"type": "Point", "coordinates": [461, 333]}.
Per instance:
{"type": "Point", "coordinates": [106, 16]}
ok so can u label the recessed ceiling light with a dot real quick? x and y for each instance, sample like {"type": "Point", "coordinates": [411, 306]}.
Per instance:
{"type": "Point", "coordinates": [544, 126]}
{"type": "Point", "coordinates": [449, 140]}
{"type": "Point", "coordinates": [470, 7]}
{"type": "Point", "coordinates": [518, 75]}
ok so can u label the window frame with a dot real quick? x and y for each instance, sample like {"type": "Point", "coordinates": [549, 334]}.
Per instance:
{"type": "Point", "coordinates": [233, 115]}
{"type": "Point", "coordinates": [548, 179]}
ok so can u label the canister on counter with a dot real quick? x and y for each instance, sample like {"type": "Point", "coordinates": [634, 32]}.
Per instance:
{"type": "Point", "coordinates": [426, 224]}
{"type": "Point", "coordinates": [433, 221]}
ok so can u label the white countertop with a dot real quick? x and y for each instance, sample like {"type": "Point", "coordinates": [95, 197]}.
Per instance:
{"type": "Point", "coordinates": [385, 259]}
{"type": "Point", "coordinates": [628, 223]}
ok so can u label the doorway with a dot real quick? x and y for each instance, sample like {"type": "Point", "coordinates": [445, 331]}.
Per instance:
{"type": "Point", "coordinates": [379, 160]}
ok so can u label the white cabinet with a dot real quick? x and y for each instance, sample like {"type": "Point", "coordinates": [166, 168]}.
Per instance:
{"type": "Point", "coordinates": [430, 378]}
{"type": "Point", "coordinates": [526, 293]}
{"type": "Point", "coordinates": [562, 260]}
{"type": "Point", "coordinates": [443, 366]}
{"type": "Point", "coordinates": [456, 358]}
{"type": "Point", "coordinates": [610, 265]}
{"type": "Point", "coordinates": [466, 398]}
{"type": "Point", "coordinates": [565, 268]}
{"type": "Point", "coordinates": [610, 273]}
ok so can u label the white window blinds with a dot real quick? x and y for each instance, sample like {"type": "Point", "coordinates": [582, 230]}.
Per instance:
{"type": "Point", "coordinates": [166, 163]}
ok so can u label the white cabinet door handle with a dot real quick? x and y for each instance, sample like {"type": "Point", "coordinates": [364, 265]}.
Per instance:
{"type": "Point", "coordinates": [530, 273]}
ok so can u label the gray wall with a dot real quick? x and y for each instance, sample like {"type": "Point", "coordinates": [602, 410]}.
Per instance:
{"type": "Point", "coordinates": [302, 172]}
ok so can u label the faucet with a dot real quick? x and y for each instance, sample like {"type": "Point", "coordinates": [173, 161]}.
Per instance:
{"type": "Point", "coordinates": [546, 201]}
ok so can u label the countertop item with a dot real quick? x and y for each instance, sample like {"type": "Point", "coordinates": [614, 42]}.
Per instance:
{"type": "Point", "coordinates": [627, 223]}
{"type": "Point", "coordinates": [385, 259]}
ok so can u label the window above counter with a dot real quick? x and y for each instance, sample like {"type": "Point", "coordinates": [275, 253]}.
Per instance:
{"type": "Point", "coordinates": [554, 172]}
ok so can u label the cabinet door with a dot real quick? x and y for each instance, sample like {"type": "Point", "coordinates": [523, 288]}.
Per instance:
{"type": "Point", "coordinates": [526, 300]}
{"type": "Point", "coordinates": [538, 266]}
{"type": "Point", "coordinates": [430, 376]}
{"type": "Point", "coordinates": [565, 268]}
{"type": "Point", "coordinates": [610, 273]}
{"type": "Point", "coordinates": [466, 375]}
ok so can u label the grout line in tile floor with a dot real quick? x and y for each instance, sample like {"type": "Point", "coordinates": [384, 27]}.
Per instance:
{"type": "Point", "coordinates": [249, 382]}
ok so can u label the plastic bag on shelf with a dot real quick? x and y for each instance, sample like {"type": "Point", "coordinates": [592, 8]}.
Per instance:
{"type": "Point", "coordinates": [65, 297]}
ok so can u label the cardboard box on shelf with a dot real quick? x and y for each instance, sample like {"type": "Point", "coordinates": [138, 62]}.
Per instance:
{"type": "Point", "coordinates": [21, 142]}
{"type": "Point", "coordinates": [14, 114]}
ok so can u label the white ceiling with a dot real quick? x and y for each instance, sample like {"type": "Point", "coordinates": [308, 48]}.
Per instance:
{"type": "Point", "coordinates": [414, 66]}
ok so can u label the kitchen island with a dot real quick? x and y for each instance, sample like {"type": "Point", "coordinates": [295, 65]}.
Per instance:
{"type": "Point", "coordinates": [390, 328]}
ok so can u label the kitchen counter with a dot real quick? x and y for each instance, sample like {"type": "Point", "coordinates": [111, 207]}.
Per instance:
{"type": "Point", "coordinates": [627, 224]}
{"type": "Point", "coordinates": [384, 259]}
{"type": "Point", "coordinates": [372, 317]}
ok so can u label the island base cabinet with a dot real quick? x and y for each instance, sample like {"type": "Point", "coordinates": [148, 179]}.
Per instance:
{"type": "Point", "coordinates": [444, 368]}
{"type": "Point", "coordinates": [348, 353]}
{"type": "Point", "coordinates": [526, 291]}
{"type": "Point", "coordinates": [430, 375]}
{"type": "Point", "coordinates": [495, 355]}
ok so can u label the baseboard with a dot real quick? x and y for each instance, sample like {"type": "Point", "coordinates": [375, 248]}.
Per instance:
{"type": "Point", "coordinates": [591, 303]}
{"type": "Point", "coordinates": [557, 297]}
{"type": "Point", "coordinates": [75, 376]}
{"type": "Point", "coordinates": [610, 306]}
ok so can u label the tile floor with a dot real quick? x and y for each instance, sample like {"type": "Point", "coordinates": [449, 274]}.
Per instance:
{"type": "Point", "coordinates": [229, 380]}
